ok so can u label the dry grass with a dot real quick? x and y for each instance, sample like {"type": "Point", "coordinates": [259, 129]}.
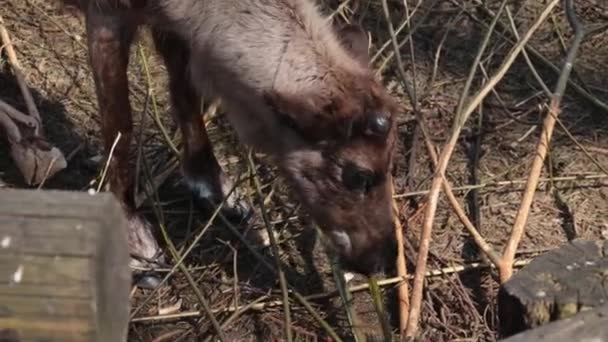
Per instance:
{"type": "Point", "coordinates": [495, 149]}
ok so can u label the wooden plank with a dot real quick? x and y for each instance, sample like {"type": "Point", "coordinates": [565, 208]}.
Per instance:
{"type": "Point", "coordinates": [36, 269]}
{"type": "Point", "coordinates": [47, 329]}
{"type": "Point", "coordinates": [75, 290]}
{"type": "Point", "coordinates": [64, 273]}
{"type": "Point", "coordinates": [555, 286]}
{"type": "Point", "coordinates": [28, 307]}
{"type": "Point", "coordinates": [54, 203]}
{"type": "Point", "coordinates": [44, 236]}
{"type": "Point", "coordinates": [589, 325]}
{"type": "Point", "coordinates": [43, 336]}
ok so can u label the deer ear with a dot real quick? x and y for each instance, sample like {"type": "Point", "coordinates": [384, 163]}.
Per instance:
{"type": "Point", "coordinates": [355, 40]}
{"type": "Point", "coordinates": [309, 116]}
{"type": "Point", "coordinates": [291, 111]}
{"type": "Point", "coordinates": [280, 107]}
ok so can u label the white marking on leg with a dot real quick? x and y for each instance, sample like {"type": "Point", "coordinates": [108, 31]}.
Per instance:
{"type": "Point", "coordinates": [201, 188]}
{"type": "Point", "coordinates": [342, 241]}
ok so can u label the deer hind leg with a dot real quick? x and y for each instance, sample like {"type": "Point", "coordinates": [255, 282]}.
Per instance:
{"type": "Point", "coordinates": [109, 39]}
{"type": "Point", "coordinates": [203, 174]}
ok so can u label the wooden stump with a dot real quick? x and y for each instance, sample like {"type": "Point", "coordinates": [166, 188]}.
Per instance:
{"type": "Point", "coordinates": [64, 267]}
{"type": "Point", "coordinates": [555, 286]}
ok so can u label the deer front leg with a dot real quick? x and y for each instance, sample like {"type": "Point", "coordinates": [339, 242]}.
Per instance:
{"type": "Point", "coordinates": [203, 174]}
{"type": "Point", "coordinates": [109, 38]}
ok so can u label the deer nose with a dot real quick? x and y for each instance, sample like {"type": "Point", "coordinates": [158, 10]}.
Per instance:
{"type": "Point", "coordinates": [368, 265]}
{"type": "Point", "coordinates": [374, 261]}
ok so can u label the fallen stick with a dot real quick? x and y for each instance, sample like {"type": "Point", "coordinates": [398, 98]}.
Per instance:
{"type": "Point", "coordinates": [34, 156]}
{"type": "Point", "coordinates": [463, 113]}
{"type": "Point", "coordinates": [403, 291]}
{"type": "Point", "coordinates": [517, 231]}
{"type": "Point", "coordinates": [14, 62]}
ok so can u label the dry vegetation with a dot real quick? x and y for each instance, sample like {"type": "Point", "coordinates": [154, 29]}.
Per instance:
{"type": "Point", "coordinates": [487, 172]}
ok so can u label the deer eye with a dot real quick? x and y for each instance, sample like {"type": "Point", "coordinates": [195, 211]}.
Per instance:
{"type": "Point", "coordinates": [356, 179]}
{"type": "Point", "coordinates": [378, 125]}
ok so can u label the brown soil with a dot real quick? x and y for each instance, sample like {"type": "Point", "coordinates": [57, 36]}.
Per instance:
{"type": "Point", "coordinates": [457, 306]}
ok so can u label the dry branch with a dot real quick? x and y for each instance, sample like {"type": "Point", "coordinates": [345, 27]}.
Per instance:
{"type": "Point", "coordinates": [14, 62]}
{"type": "Point", "coordinates": [462, 216]}
{"type": "Point", "coordinates": [264, 302]}
{"type": "Point", "coordinates": [460, 120]}
{"type": "Point", "coordinates": [273, 245]}
{"type": "Point", "coordinates": [403, 291]}
{"type": "Point", "coordinates": [542, 59]}
{"type": "Point", "coordinates": [543, 145]}
{"type": "Point", "coordinates": [34, 156]}
{"type": "Point", "coordinates": [12, 131]}
{"type": "Point", "coordinates": [496, 184]}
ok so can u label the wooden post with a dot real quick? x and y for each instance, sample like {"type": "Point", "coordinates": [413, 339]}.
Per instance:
{"type": "Point", "coordinates": [589, 325]}
{"type": "Point", "coordinates": [554, 287]}
{"type": "Point", "coordinates": [64, 267]}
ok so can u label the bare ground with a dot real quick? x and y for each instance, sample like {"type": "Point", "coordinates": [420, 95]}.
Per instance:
{"type": "Point", "coordinates": [502, 134]}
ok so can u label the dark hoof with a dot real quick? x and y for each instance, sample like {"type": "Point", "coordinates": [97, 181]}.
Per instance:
{"type": "Point", "coordinates": [147, 280]}
{"type": "Point", "coordinates": [207, 198]}
{"type": "Point", "coordinates": [239, 212]}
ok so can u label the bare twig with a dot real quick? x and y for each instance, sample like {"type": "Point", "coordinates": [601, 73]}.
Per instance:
{"type": "Point", "coordinates": [461, 116]}
{"type": "Point", "coordinates": [273, 244]}
{"type": "Point", "coordinates": [462, 216]}
{"type": "Point", "coordinates": [406, 22]}
{"type": "Point", "coordinates": [48, 171]}
{"type": "Point", "coordinates": [260, 304]}
{"type": "Point", "coordinates": [408, 36]}
{"type": "Point", "coordinates": [460, 119]}
{"type": "Point", "coordinates": [526, 57]}
{"type": "Point", "coordinates": [474, 195]}
{"type": "Point", "coordinates": [346, 296]}
{"type": "Point", "coordinates": [535, 53]}
{"type": "Point", "coordinates": [473, 231]}
{"type": "Point", "coordinates": [403, 293]}
{"type": "Point", "coordinates": [374, 290]}
{"type": "Point", "coordinates": [156, 116]}
{"type": "Point", "coordinates": [301, 299]}
{"type": "Point", "coordinates": [581, 177]}
{"type": "Point", "coordinates": [403, 290]}
{"type": "Point", "coordinates": [36, 159]}
{"type": "Point", "coordinates": [199, 295]}
{"type": "Point", "coordinates": [14, 62]}
{"type": "Point", "coordinates": [108, 162]}
{"type": "Point", "coordinates": [543, 145]}
{"type": "Point", "coordinates": [582, 148]}
{"type": "Point", "coordinates": [11, 129]}
{"type": "Point", "coordinates": [194, 243]}
{"type": "Point", "coordinates": [140, 147]}
{"type": "Point", "coordinates": [18, 116]}
{"type": "Point", "coordinates": [239, 310]}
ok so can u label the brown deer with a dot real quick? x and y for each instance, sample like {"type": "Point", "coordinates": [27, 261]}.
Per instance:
{"type": "Point", "coordinates": [295, 87]}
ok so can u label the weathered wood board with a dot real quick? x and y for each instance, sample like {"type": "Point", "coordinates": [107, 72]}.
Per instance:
{"type": "Point", "coordinates": [590, 325]}
{"type": "Point", "coordinates": [64, 267]}
{"type": "Point", "coordinates": [556, 286]}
